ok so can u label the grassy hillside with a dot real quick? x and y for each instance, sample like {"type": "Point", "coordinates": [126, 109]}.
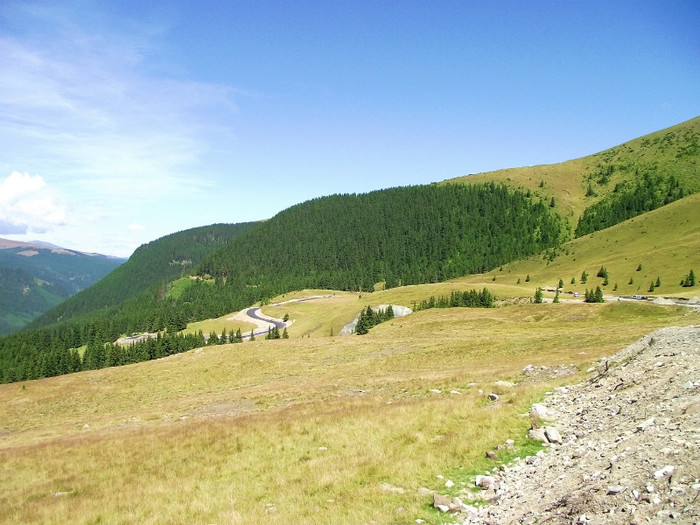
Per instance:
{"type": "Point", "coordinates": [665, 242]}
{"type": "Point", "coordinates": [672, 151]}
{"type": "Point", "coordinates": [333, 430]}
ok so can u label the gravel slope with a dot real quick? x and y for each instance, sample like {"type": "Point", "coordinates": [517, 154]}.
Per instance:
{"type": "Point", "coordinates": [630, 445]}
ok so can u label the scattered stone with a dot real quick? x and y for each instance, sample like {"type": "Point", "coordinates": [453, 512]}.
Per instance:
{"type": "Point", "coordinates": [644, 425]}
{"type": "Point", "coordinates": [615, 489]}
{"type": "Point", "coordinates": [668, 470]}
{"type": "Point", "coordinates": [539, 411]}
{"type": "Point", "coordinates": [446, 504]}
{"type": "Point", "coordinates": [508, 445]}
{"type": "Point", "coordinates": [449, 484]}
{"type": "Point", "coordinates": [552, 435]}
{"type": "Point", "coordinates": [491, 454]}
{"type": "Point", "coordinates": [504, 384]}
{"type": "Point", "coordinates": [485, 482]}
{"type": "Point", "coordinates": [493, 396]}
{"type": "Point", "coordinates": [538, 434]}
{"type": "Point", "coordinates": [436, 391]}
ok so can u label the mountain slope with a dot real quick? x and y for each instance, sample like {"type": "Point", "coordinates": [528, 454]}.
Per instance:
{"type": "Point", "coordinates": [159, 261]}
{"type": "Point", "coordinates": [399, 236]}
{"type": "Point", "coordinates": [35, 277]}
{"type": "Point", "coordinates": [665, 242]}
{"type": "Point", "coordinates": [579, 184]}
{"type": "Point", "coordinates": [422, 234]}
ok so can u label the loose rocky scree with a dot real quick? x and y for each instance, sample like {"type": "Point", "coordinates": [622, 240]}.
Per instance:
{"type": "Point", "coordinates": [622, 447]}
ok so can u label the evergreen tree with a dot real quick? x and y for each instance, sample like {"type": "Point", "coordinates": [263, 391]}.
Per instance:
{"type": "Point", "coordinates": [252, 335]}
{"type": "Point", "coordinates": [561, 283]}
{"type": "Point", "coordinates": [658, 281]}
{"type": "Point", "coordinates": [538, 295]}
{"type": "Point", "coordinates": [598, 295]}
{"type": "Point", "coordinates": [556, 297]}
{"type": "Point", "coordinates": [285, 334]}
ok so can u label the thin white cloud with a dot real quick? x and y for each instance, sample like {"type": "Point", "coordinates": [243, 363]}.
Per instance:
{"type": "Point", "coordinates": [28, 205]}
{"type": "Point", "coordinates": [83, 104]}
{"type": "Point", "coordinates": [90, 102]}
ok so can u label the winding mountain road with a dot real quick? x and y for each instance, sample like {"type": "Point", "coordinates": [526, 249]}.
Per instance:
{"type": "Point", "coordinates": [264, 323]}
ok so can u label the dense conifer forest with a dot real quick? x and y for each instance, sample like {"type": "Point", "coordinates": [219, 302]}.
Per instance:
{"type": "Point", "coordinates": [349, 242]}
{"type": "Point", "coordinates": [628, 200]}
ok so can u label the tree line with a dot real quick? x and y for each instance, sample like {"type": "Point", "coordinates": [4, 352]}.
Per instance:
{"type": "Point", "coordinates": [468, 299]}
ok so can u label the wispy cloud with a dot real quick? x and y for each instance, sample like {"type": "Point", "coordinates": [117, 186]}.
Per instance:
{"type": "Point", "coordinates": [83, 104]}
{"type": "Point", "coordinates": [120, 135]}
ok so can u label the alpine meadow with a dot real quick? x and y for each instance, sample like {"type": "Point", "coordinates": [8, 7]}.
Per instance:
{"type": "Point", "coordinates": [400, 326]}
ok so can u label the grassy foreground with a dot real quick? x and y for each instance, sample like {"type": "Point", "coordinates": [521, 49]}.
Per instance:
{"type": "Point", "coordinates": [320, 430]}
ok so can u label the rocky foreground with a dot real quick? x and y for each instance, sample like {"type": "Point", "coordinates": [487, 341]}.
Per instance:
{"type": "Point", "coordinates": [623, 446]}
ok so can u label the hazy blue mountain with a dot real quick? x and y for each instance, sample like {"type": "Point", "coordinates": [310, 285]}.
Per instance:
{"type": "Point", "coordinates": [35, 277]}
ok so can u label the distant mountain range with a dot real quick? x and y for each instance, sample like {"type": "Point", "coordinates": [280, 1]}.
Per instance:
{"type": "Point", "coordinates": [36, 276]}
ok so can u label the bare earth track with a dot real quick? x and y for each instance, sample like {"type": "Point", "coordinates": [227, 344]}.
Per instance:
{"type": "Point", "coordinates": [630, 450]}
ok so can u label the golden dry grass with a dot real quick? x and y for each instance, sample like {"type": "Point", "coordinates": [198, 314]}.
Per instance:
{"type": "Point", "coordinates": [319, 430]}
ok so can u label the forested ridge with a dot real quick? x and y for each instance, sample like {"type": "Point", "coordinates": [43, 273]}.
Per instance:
{"type": "Point", "coordinates": [350, 242]}
{"type": "Point", "coordinates": [155, 263]}
{"type": "Point", "coordinates": [402, 236]}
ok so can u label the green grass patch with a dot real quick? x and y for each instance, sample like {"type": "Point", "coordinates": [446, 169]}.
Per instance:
{"type": "Point", "coordinates": [322, 429]}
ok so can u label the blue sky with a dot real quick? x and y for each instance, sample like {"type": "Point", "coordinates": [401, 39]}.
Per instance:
{"type": "Point", "coordinates": [122, 121]}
